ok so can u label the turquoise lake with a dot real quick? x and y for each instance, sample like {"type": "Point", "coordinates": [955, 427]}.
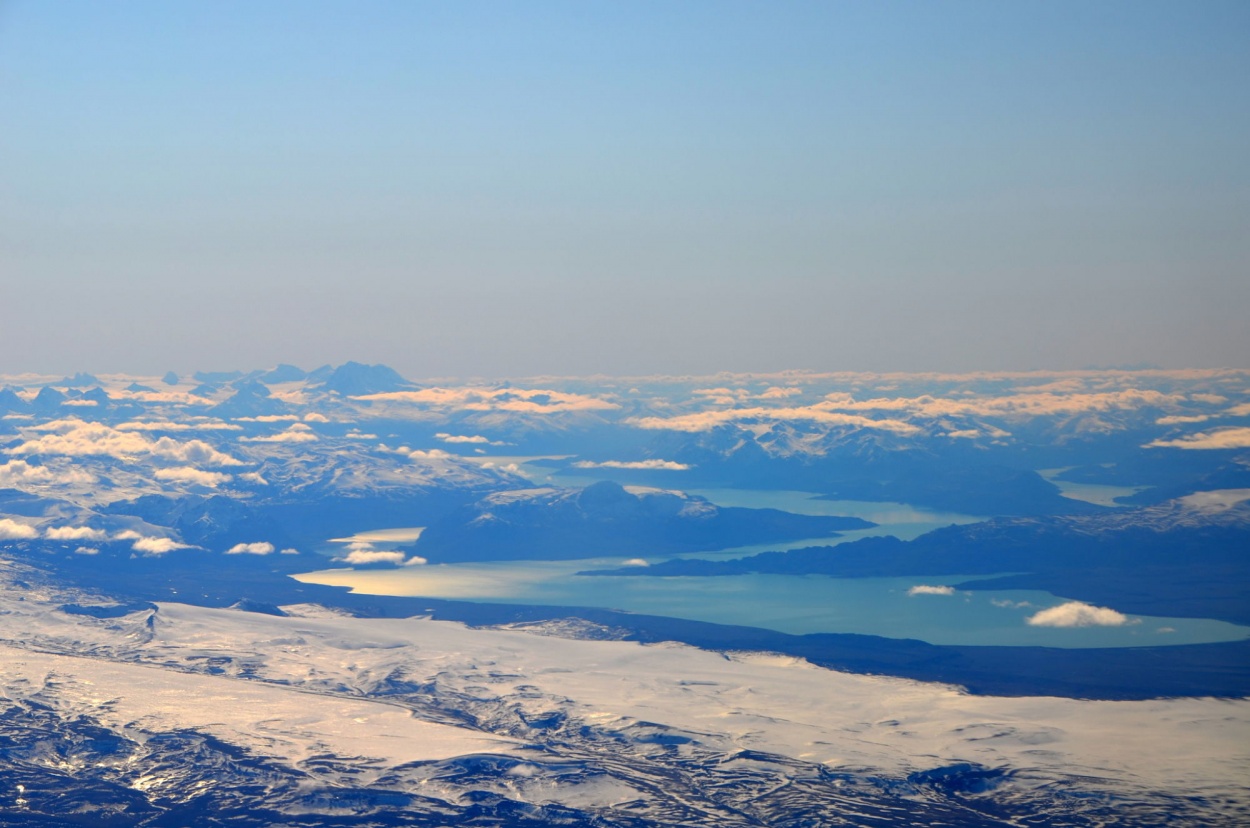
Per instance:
{"type": "Point", "coordinates": [786, 603]}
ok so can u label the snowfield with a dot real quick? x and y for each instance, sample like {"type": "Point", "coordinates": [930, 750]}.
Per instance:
{"type": "Point", "coordinates": [594, 724]}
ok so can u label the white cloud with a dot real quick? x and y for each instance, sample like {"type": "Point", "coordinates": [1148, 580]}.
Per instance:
{"type": "Point", "coordinates": [924, 589]}
{"type": "Point", "coordinates": [369, 556]}
{"type": "Point", "coordinates": [86, 550]}
{"type": "Point", "coordinates": [254, 477]}
{"type": "Point", "coordinates": [157, 546]}
{"type": "Point", "coordinates": [12, 530]}
{"type": "Point", "coordinates": [636, 562]}
{"type": "Point", "coordinates": [269, 418]}
{"type": "Point", "coordinates": [17, 473]}
{"type": "Point", "coordinates": [77, 438]}
{"type": "Point", "coordinates": [169, 425]}
{"type": "Point", "coordinates": [297, 433]}
{"type": "Point", "coordinates": [289, 551]}
{"type": "Point", "coordinates": [314, 417]}
{"type": "Point", "coordinates": [819, 413]}
{"type": "Point", "coordinates": [1078, 614]}
{"type": "Point", "coordinates": [198, 477]}
{"type": "Point", "coordinates": [669, 465]}
{"type": "Point", "coordinates": [77, 533]}
{"type": "Point", "coordinates": [462, 438]}
{"type": "Point", "coordinates": [259, 548]}
{"type": "Point", "coordinates": [1225, 438]}
{"type": "Point", "coordinates": [416, 560]}
{"type": "Point", "coordinates": [432, 454]}
{"type": "Point", "coordinates": [520, 400]}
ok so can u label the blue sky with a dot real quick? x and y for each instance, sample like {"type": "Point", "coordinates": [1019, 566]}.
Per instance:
{"type": "Point", "coordinates": [490, 188]}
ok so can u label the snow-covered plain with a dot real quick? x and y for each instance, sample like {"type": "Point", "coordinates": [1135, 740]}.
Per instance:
{"type": "Point", "coordinates": [383, 694]}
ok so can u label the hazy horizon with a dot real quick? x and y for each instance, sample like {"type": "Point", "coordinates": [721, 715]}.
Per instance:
{"type": "Point", "coordinates": [483, 189]}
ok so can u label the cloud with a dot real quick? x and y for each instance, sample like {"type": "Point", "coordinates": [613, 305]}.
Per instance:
{"type": "Point", "coordinates": [77, 533]}
{"type": "Point", "coordinates": [416, 560]}
{"type": "Point", "coordinates": [12, 530]}
{"type": "Point", "coordinates": [174, 397]}
{"type": "Point", "coordinates": [254, 477]}
{"type": "Point", "coordinates": [370, 556]}
{"type": "Point", "coordinates": [469, 438]}
{"type": "Point", "coordinates": [521, 400]}
{"type": "Point", "coordinates": [86, 550]}
{"type": "Point", "coordinates": [314, 417]}
{"type": "Point", "coordinates": [635, 562]}
{"type": "Point", "coordinates": [80, 403]}
{"type": "Point", "coordinates": [157, 546]}
{"type": "Point", "coordinates": [1078, 614]}
{"type": "Point", "coordinates": [296, 433]}
{"type": "Point", "coordinates": [198, 477]}
{"type": "Point", "coordinates": [17, 473]}
{"type": "Point", "coordinates": [1006, 603]}
{"type": "Point", "coordinates": [78, 438]}
{"type": "Point", "coordinates": [169, 425]}
{"type": "Point", "coordinates": [1225, 438]}
{"type": "Point", "coordinates": [670, 465]}
{"type": "Point", "coordinates": [270, 418]}
{"type": "Point", "coordinates": [260, 548]}
{"type": "Point", "coordinates": [289, 551]}
{"type": "Point", "coordinates": [432, 454]}
{"type": "Point", "coordinates": [923, 589]}
{"type": "Point", "coordinates": [819, 413]}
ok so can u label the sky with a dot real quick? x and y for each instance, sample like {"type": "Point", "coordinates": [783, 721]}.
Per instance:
{"type": "Point", "coordinates": [490, 189]}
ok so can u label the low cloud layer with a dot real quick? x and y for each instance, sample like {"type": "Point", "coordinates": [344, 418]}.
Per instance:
{"type": "Point", "coordinates": [1078, 614]}
{"type": "Point", "coordinates": [924, 589]}
{"type": "Point", "coordinates": [669, 465]}
{"type": "Point", "coordinates": [194, 476]}
{"type": "Point", "coordinates": [13, 530]}
{"type": "Point", "coordinates": [1224, 438]}
{"type": "Point", "coordinates": [79, 438]}
{"type": "Point", "coordinates": [259, 548]}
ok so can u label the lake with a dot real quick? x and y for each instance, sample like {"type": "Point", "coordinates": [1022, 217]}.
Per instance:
{"type": "Point", "coordinates": [786, 603]}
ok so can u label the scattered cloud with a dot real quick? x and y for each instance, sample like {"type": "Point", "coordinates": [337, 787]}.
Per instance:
{"type": "Point", "coordinates": [469, 438]}
{"type": "Point", "coordinates": [260, 548]}
{"type": "Point", "coordinates": [819, 413]}
{"type": "Point", "coordinates": [670, 465]}
{"type": "Point", "coordinates": [315, 417]}
{"type": "Point", "coordinates": [254, 477]}
{"type": "Point", "coordinates": [432, 454]}
{"type": "Point", "coordinates": [18, 473]}
{"type": "Point", "coordinates": [1078, 614]}
{"type": "Point", "coordinates": [79, 438]}
{"type": "Point", "coordinates": [296, 433]}
{"type": "Point", "coordinates": [635, 562]}
{"type": "Point", "coordinates": [371, 556]}
{"type": "Point", "coordinates": [1224, 438]}
{"type": "Point", "coordinates": [194, 476]}
{"type": "Point", "coordinates": [13, 530]}
{"type": "Point", "coordinates": [520, 400]}
{"type": "Point", "coordinates": [86, 550]}
{"type": "Point", "coordinates": [925, 589]}
{"type": "Point", "coordinates": [157, 546]}
{"type": "Point", "coordinates": [170, 425]}
{"type": "Point", "coordinates": [75, 533]}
